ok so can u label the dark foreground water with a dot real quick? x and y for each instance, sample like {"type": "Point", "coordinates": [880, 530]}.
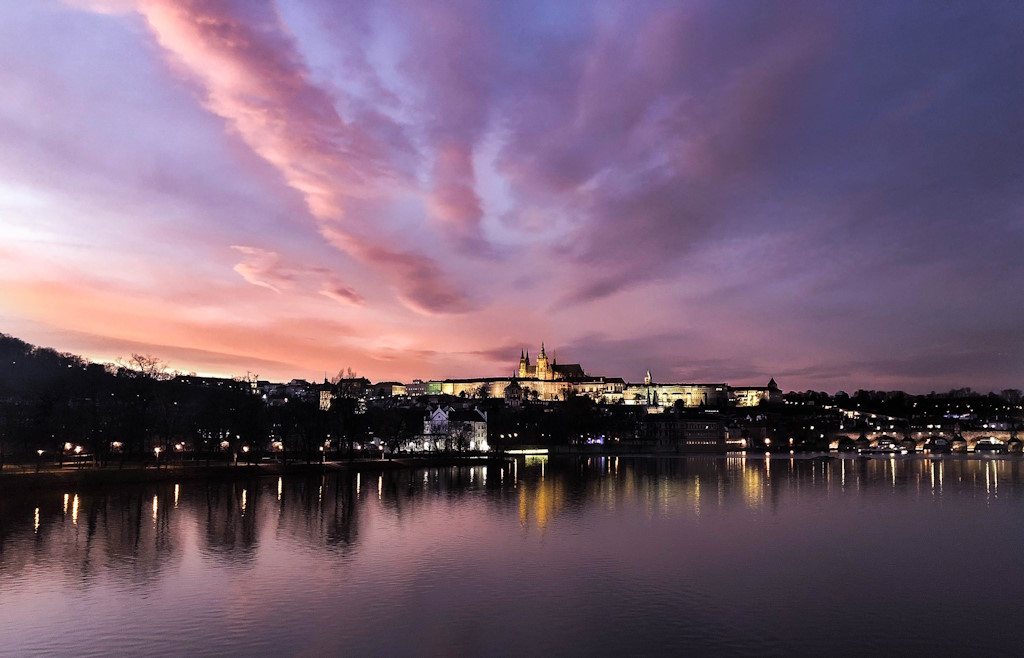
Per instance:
{"type": "Point", "coordinates": [582, 556]}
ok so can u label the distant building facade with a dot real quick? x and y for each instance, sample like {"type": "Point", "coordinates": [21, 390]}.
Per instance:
{"type": "Point", "coordinates": [752, 396]}
{"type": "Point", "coordinates": [666, 396]}
{"type": "Point", "coordinates": [442, 425]}
{"type": "Point", "coordinates": [673, 433]}
{"type": "Point", "coordinates": [326, 395]}
{"type": "Point", "coordinates": [547, 380]}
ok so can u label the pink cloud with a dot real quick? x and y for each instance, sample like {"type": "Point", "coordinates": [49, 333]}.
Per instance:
{"type": "Point", "coordinates": [422, 285]}
{"type": "Point", "coordinates": [454, 200]}
{"type": "Point", "coordinates": [342, 294]}
{"type": "Point", "coordinates": [253, 76]}
{"type": "Point", "coordinates": [262, 268]}
{"type": "Point", "coordinates": [452, 59]}
{"type": "Point", "coordinates": [137, 321]}
{"type": "Point", "coordinates": [266, 269]}
{"type": "Point", "coordinates": [754, 185]}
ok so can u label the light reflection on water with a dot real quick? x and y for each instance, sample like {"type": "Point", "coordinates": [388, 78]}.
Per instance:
{"type": "Point", "coordinates": [742, 555]}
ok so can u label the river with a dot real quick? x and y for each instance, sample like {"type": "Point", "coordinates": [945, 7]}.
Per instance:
{"type": "Point", "coordinates": [572, 556]}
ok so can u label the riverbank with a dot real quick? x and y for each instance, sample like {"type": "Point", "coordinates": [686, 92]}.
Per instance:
{"type": "Point", "coordinates": [27, 477]}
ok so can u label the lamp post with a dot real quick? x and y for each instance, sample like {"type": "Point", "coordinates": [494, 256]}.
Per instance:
{"type": "Point", "coordinates": [245, 449]}
{"type": "Point", "coordinates": [39, 462]}
{"type": "Point", "coordinates": [156, 451]}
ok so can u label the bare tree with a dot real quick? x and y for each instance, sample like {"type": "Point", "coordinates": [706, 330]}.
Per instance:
{"type": "Point", "coordinates": [396, 435]}
{"type": "Point", "coordinates": [251, 380]}
{"type": "Point", "coordinates": [344, 373]}
{"type": "Point", "coordinates": [143, 365]}
{"type": "Point", "coordinates": [459, 435]}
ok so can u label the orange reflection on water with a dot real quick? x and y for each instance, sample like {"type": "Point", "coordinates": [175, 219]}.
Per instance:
{"type": "Point", "coordinates": [539, 500]}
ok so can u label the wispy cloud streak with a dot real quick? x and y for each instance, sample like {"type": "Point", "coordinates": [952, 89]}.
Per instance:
{"type": "Point", "coordinates": [804, 189]}
{"type": "Point", "coordinates": [253, 76]}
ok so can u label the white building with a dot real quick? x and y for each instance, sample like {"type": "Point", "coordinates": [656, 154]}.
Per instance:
{"type": "Point", "coordinates": [443, 425]}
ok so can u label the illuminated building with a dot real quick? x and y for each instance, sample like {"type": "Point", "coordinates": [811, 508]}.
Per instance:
{"type": "Point", "coordinates": [547, 380]}
{"type": "Point", "coordinates": [544, 371]}
{"type": "Point", "coordinates": [439, 424]}
{"type": "Point", "coordinates": [751, 396]}
{"type": "Point", "coordinates": [326, 396]}
{"type": "Point", "coordinates": [665, 396]}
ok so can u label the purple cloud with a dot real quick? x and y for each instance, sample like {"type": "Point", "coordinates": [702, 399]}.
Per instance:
{"type": "Point", "coordinates": [829, 193]}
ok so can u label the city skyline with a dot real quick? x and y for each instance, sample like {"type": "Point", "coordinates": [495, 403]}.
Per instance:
{"type": "Point", "coordinates": [826, 194]}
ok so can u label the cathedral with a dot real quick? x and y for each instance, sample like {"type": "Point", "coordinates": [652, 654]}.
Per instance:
{"type": "Point", "coordinates": [548, 372]}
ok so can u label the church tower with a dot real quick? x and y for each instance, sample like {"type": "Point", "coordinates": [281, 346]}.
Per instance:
{"type": "Point", "coordinates": [542, 364]}
{"type": "Point", "coordinates": [647, 378]}
{"type": "Point", "coordinates": [524, 365]}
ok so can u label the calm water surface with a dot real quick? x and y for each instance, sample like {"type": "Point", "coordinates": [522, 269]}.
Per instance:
{"type": "Point", "coordinates": [582, 556]}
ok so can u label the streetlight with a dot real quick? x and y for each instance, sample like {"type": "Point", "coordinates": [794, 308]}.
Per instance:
{"type": "Point", "coordinates": [40, 462]}
{"type": "Point", "coordinates": [245, 449]}
{"type": "Point", "coordinates": [156, 451]}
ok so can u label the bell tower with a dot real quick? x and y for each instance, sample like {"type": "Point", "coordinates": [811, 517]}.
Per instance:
{"type": "Point", "coordinates": [542, 364]}
{"type": "Point", "coordinates": [524, 365]}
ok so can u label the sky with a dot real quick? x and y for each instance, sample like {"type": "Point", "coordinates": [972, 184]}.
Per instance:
{"type": "Point", "coordinates": [828, 193]}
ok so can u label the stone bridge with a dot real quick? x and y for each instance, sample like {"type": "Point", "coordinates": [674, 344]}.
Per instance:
{"type": "Point", "coordinates": [921, 436]}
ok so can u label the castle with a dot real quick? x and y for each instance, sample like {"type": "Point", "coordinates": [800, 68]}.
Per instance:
{"type": "Point", "coordinates": [547, 380]}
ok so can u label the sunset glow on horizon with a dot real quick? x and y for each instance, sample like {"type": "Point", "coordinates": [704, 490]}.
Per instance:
{"type": "Point", "coordinates": [830, 194]}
